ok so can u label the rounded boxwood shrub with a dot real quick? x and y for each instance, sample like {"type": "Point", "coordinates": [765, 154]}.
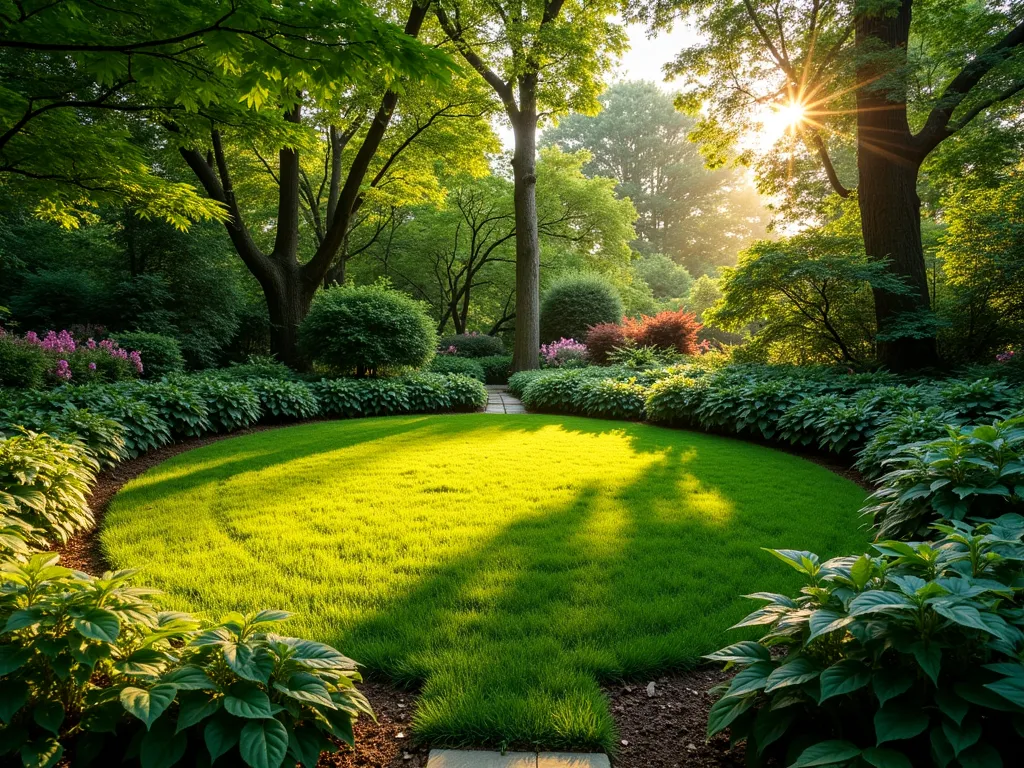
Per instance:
{"type": "Point", "coordinates": [464, 393]}
{"type": "Point", "coordinates": [161, 355]}
{"type": "Point", "coordinates": [461, 365]}
{"type": "Point", "coordinates": [572, 304]}
{"type": "Point", "coordinates": [367, 330]}
{"type": "Point", "coordinates": [471, 345]}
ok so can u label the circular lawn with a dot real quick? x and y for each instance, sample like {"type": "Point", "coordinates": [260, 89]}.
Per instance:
{"type": "Point", "coordinates": [504, 565]}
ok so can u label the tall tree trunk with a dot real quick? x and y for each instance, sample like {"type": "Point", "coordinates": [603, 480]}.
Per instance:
{"type": "Point", "coordinates": [288, 298]}
{"type": "Point", "coordinates": [526, 350]}
{"type": "Point", "coordinates": [888, 163]}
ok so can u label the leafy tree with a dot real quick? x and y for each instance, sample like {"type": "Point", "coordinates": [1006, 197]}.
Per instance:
{"type": "Point", "coordinates": [330, 73]}
{"type": "Point", "coordinates": [808, 298]}
{"type": "Point", "coordinates": [699, 218]}
{"type": "Point", "coordinates": [460, 257]}
{"type": "Point", "coordinates": [666, 278]}
{"type": "Point", "coordinates": [901, 76]}
{"type": "Point", "coordinates": [982, 257]}
{"type": "Point", "coordinates": [704, 294]}
{"type": "Point", "coordinates": [541, 58]}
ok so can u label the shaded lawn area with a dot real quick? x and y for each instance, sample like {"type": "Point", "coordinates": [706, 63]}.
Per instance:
{"type": "Point", "coordinates": [505, 564]}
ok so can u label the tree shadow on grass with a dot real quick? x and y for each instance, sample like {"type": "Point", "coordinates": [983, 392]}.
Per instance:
{"type": "Point", "coordinates": [633, 570]}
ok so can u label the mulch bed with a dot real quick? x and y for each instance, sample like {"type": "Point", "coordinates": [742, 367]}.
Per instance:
{"type": "Point", "coordinates": [659, 727]}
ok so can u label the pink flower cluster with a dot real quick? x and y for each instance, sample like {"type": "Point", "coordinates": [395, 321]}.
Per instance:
{"type": "Point", "coordinates": [558, 352]}
{"type": "Point", "coordinates": [63, 344]}
{"type": "Point", "coordinates": [1006, 357]}
{"type": "Point", "coordinates": [452, 350]}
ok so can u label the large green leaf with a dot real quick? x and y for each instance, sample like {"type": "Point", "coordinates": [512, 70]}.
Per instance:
{"type": "Point", "coordinates": [725, 710]}
{"type": "Point", "coordinates": [148, 705]}
{"type": "Point", "coordinates": [247, 700]}
{"type": "Point", "coordinates": [770, 726]}
{"type": "Point", "coordinates": [824, 621]}
{"type": "Point", "coordinates": [194, 708]}
{"type": "Point", "coordinates": [41, 753]}
{"type": "Point", "coordinates": [1010, 687]}
{"type": "Point", "coordinates": [799, 670]}
{"type": "Point", "coordinates": [303, 686]}
{"type": "Point", "coordinates": [827, 753]}
{"type": "Point", "coordinates": [189, 678]}
{"type": "Point", "coordinates": [961, 737]}
{"type": "Point", "coordinates": [248, 662]}
{"type": "Point", "coordinates": [49, 715]}
{"type": "Point", "coordinates": [898, 720]}
{"type": "Point", "coordinates": [879, 600]}
{"type": "Point", "coordinates": [880, 757]}
{"type": "Point", "coordinates": [221, 734]}
{"type": "Point", "coordinates": [744, 652]}
{"type": "Point", "coordinates": [97, 624]}
{"type": "Point", "coordinates": [264, 743]}
{"type": "Point", "coordinates": [844, 677]}
{"type": "Point", "coordinates": [162, 747]}
{"type": "Point", "coordinates": [13, 695]}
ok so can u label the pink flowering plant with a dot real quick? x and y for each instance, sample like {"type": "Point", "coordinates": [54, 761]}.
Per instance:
{"type": "Point", "coordinates": [1008, 355]}
{"type": "Point", "coordinates": [564, 353]}
{"type": "Point", "coordinates": [68, 360]}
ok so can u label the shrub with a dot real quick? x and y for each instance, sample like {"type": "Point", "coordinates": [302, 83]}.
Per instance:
{"type": "Point", "coordinates": [564, 353]}
{"type": "Point", "coordinates": [102, 436]}
{"type": "Point", "coordinates": [981, 398]}
{"type": "Point", "coordinates": [353, 398]}
{"type": "Point", "coordinates": [666, 330]}
{"type": "Point", "coordinates": [902, 428]}
{"type": "Point", "coordinates": [464, 393]}
{"type": "Point", "coordinates": [519, 381]}
{"type": "Point", "coordinates": [94, 658]}
{"type": "Point", "coordinates": [230, 405]}
{"type": "Point", "coordinates": [972, 472]}
{"type": "Point", "coordinates": [603, 339]}
{"type": "Point", "coordinates": [161, 355]}
{"type": "Point", "coordinates": [471, 345]}
{"type": "Point", "coordinates": [611, 399]}
{"type": "Point", "coordinates": [284, 400]}
{"type": "Point", "coordinates": [44, 483]}
{"type": "Point", "coordinates": [643, 358]}
{"type": "Point", "coordinates": [144, 428]}
{"type": "Point", "coordinates": [574, 303]}
{"type": "Point", "coordinates": [22, 366]}
{"type": "Point", "coordinates": [556, 393]}
{"type": "Point", "coordinates": [497, 369]}
{"type": "Point", "coordinates": [675, 400]}
{"type": "Point", "coordinates": [256, 367]}
{"type": "Point", "coordinates": [461, 365]}
{"type": "Point", "coordinates": [182, 407]}
{"type": "Point", "coordinates": [907, 657]}
{"type": "Point", "coordinates": [367, 329]}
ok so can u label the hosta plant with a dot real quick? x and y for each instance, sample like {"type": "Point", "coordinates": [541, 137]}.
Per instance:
{"type": "Point", "coordinates": [971, 472]}
{"type": "Point", "coordinates": [144, 429]}
{"type": "Point", "coordinates": [464, 393]}
{"type": "Point", "coordinates": [349, 398]}
{"type": "Point", "coordinates": [44, 482]}
{"type": "Point", "coordinates": [910, 656]}
{"type": "Point", "coordinates": [901, 429]}
{"type": "Point", "coordinates": [285, 400]}
{"type": "Point", "coordinates": [230, 405]}
{"type": "Point", "coordinates": [675, 400]}
{"type": "Point", "coordinates": [611, 399]}
{"type": "Point", "coordinates": [181, 406]}
{"type": "Point", "coordinates": [90, 664]}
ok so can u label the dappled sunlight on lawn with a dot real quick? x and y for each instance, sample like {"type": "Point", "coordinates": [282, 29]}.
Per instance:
{"type": "Point", "coordinates": [503, 564]}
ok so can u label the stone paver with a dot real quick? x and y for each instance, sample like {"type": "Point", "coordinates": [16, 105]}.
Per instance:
{"type": "Point", "coordinates": [572, 760]}
{"type": "Point", "coordinates": [500, 401]}
{"type": "Point", "coordinates": [463, 758]}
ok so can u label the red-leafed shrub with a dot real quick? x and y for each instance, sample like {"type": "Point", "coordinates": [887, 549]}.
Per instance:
{"type": "Point", "coordinates": [602, 340]}
{"type": "Point", "coordinates": [666, 330]}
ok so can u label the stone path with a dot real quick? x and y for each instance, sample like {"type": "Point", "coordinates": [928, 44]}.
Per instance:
{"type": "Point", "coordinates": [500, 401]}
{"type": "Point", "coordinates": [461, 758]}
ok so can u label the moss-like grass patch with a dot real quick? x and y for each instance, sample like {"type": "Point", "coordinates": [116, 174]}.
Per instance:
{"type": "Point", "coordinates": [505, 564]}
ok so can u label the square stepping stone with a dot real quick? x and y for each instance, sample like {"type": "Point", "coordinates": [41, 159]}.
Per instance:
{"type": "Point", "coordinates": [465, 758]}
{"type": "Point", "coordinates": [572, 760]}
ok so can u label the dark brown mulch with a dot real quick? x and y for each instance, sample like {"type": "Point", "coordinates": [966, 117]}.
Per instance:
{"type": "Point", "coordinates": [386, 743]}
{"type": "Point", "coordinates": [666, 729]}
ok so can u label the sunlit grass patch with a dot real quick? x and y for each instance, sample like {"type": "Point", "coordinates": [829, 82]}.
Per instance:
{"type": "Point", "coordinates": [505, 564]}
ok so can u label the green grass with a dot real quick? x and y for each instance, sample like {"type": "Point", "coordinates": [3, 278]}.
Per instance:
{"type": "Point", "coordinates": [505, 564]}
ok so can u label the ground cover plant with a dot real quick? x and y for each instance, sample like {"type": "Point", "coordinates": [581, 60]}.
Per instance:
{"type": "Point", "coordinates": [482, 557]}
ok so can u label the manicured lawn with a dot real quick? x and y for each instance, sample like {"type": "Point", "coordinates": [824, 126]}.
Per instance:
{"type": "Point", "coordinates": [506, 564]}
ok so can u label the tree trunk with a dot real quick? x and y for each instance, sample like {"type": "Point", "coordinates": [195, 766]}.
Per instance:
{"type": "Point", "coordinates": [888, 163]}
{"type": "Point", "coordinates": [526, 350]}
{"type": "Point", "coordinates": [288, 299]}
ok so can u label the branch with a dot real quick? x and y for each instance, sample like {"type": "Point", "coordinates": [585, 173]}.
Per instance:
{"type": "Point", "coordinates": [454, 32]}
{"type": "Point", "coordinates": [937, 128]}
{"type": "Point", "coordinates": [826, 161]}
